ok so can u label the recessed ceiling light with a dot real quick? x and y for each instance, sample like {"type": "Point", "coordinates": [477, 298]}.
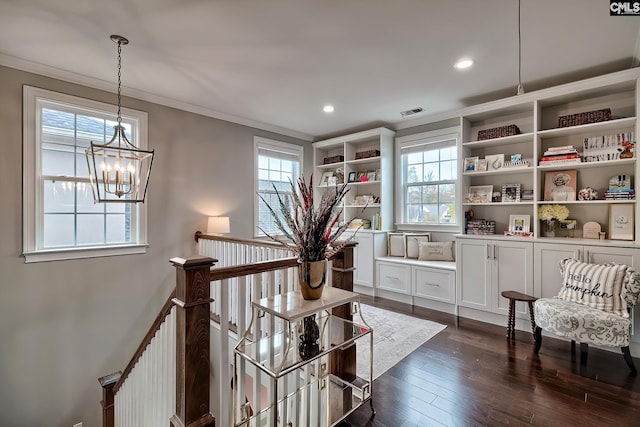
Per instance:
{"type": "Point", "coordinates": [328, 109]}
{"type": "Point", "coordinates": [463, 64]}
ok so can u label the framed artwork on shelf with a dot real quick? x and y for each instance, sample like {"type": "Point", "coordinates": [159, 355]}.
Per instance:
{"type": "Point", "coordinates": [482, 165]}
{"type": "Point", "coordinates": [519, 223]}
{"type": "Point", "coordinates": [560, 186]}
{"type": "Point", "coordinates": [621, 225]}
{"type": "Point", "coordinates": [324, 180]}
{"type": "Point", "coordinates": [511, 193]}
{"type": "Point", "coordinates": [471, 164]}
{"type": "Point", "coordinates": [352, 177]}
{"type": "Point", "coordinates": [479, 194]}
{"type": "Point", "coordinates": [494, 161]}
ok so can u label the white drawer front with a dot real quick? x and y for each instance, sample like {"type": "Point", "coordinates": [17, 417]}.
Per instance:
{"type": "Point", "coordinates": [434, 284]}
{"type": "Point", "coordinates": [395, 278]}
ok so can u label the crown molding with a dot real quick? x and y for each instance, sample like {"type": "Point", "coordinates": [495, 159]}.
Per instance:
{"type": "Point", "coordinates": [80, 79]}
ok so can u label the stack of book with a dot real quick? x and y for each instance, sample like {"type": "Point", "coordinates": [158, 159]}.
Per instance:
{"type": "Point", "coordinates": [560, 155]}
{"type": "Point", "coordinates": [627, 194]}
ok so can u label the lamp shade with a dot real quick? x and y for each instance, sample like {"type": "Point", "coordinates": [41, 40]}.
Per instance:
{"type": "Point", "coordinates": [218, 225]}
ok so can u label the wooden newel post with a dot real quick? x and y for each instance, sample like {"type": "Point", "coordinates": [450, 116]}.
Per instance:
{"type": "Point", "coordinates": [107, 383]}
{"type": "Point", "coordinates": [192, 342]}
{"type": "Point", "coordinates": [343, 362]}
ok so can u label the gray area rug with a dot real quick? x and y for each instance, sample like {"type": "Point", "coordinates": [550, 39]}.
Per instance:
{"type": "Point", "coordinates": [395, 336]}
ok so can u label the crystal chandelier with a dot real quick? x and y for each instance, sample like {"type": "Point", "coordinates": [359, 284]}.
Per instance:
{"type": "Point", "coordinates": [118, 170]}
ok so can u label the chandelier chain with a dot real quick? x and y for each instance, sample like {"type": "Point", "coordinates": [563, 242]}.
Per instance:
{"type": "Point", "coordinates": [119, 80]}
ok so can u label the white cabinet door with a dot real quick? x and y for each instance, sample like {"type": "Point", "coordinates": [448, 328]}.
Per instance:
{"type": "Point", "coordinates": [547, 278]}
{"type": "Point", "coordinates": [364, 260]}
{"type": "Point", "coordinates": [473, 275]}
{"type": "Point", "coordinates": [512, 270]}
{"type": "Point", "coordinates": [604, 254]}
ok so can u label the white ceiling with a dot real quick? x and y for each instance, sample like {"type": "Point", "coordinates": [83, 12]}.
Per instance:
{"type": "Point", "coordinates": [274, 64]}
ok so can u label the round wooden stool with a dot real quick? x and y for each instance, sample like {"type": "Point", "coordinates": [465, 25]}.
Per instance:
{"type": "Point", "coordinates": [514, 296]}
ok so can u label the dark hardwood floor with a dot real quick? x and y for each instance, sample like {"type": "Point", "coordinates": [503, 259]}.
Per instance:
{"type": "Point", "coordinates": [470, 375]}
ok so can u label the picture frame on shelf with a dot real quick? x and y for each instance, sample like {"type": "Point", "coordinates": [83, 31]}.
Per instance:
{"type": "Point", "coordinates": [324, 179]}
{"type": "Point", "coordinates": [371, 175]}
{"type": "Point", "coordinates": [560, 186]}
{"type": "Point", "coordinates": [479, 194]}
{"type": "Point", "coordinates": [482, 165]}
{"type": "Point", "coordinates": [494, 161]}
{"type": "Point", "coordinates": [333, 181]}
{"type": "Point", "coordinates": [621, 226]}
{"type": "Point", "coordinates": [471, 164]}
{"type": "Point", "coordinates": [511, 193]}
{"type": "Point", "coordinates": [352, 177]}
{"type": "Point", "coordinates": [519, 223]}
{"type": "Point", "coordinates": [516, 158]}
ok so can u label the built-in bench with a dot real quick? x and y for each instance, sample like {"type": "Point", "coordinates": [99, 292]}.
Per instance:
{"type": "Point", "coordinates": [430, 284]}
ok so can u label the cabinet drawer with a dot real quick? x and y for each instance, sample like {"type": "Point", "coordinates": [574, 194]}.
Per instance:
{"type": "Point", "coordinates": [434, 284]}
{"type": "Point", "coordinates": [394, 277]}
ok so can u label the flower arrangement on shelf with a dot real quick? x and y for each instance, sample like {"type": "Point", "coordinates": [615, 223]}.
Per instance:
{"type": "Point", "coordinates": [550, 214]}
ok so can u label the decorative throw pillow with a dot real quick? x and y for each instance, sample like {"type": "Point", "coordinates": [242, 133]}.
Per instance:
{"type": "Point", "coordinates": [598, 286]}
{"type": "Point", "coordinates": [632, 287]}
{"type": "Point", "coordinates": [435, 251]}
{"type": "Point", "coordinates": [395, 244]}
{"type": "Point", "coordinates": [412, 241]}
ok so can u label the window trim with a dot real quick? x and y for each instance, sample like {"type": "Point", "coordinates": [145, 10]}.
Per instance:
{"type": "Point", "coordinates": [426, 138]}
{"type": "Point", "coordinates": [32, 192]}
{"type": "Point", "coordinates": [274, 145]}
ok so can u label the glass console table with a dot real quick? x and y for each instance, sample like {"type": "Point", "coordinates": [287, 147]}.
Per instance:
{"type": "Point", "coordinates": [301, 375]}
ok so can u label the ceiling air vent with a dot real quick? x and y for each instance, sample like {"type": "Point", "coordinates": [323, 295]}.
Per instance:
{"type": "Point", "coordinates": [412, 112]}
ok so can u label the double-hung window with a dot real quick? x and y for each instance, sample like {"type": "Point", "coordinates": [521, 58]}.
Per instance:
{"type": "Point", "coordinates": [61, 220]}
{"type": "Point", "coordinates": [428, 172]}
{"type": "Point", "coordinates": [277, 164]}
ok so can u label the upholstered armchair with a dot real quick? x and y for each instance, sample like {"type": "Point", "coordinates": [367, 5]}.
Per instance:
{"type": "Point", "coordinates": [592, 307]}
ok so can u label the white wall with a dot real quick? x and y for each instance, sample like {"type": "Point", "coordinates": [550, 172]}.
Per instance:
{"type": "Point", "coordinates": [64, 324]}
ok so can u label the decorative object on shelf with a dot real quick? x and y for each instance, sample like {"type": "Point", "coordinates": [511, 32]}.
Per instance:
{"type": "Point", "coordinates": [560, 186]}
{"type": "Point", "coordinates": [118, 170]}
{"type": "Point", "coordinates": [371, 175]}
{"type": "Point", "coordinates": [310, 232]}
{"type": "Point", "coordinates": [324, 179]}
{"type": "Point", "coordinates": [498, 132]}
{"type": "Point", "coordinates": [587, 193]}
{"type": "Point", "coordinates": [516, 158]}
{"type": "Point", "coordinates": [511, 193]}
{"type": "Point", "coordinates": [621, 221]}
{"type": "Point", "coordinates": [378, 174]}
{"type": "Point", "coordinates": [482, 165]}
{"type": "Point", "coordinates": [471, 164]}
{"type": "Point", "coordinates": [480, 226]}
{"type": "Point", "coordinates": [609, 147]}
{"type": "Point", "coordinates": [333, 159]}
{"type": "Point", "coordinates": [496, 197]}
{"type": "Point", "coordinates": [584, 118]}
{"type": "Point", "coordinates": [519, 223]}
{"type": "Point", "coordinates": [518, 164]}
{"type": "Point", "coordinates": [570, 225]}
{"type": "Point", "coordinates": [494, 161]}
{"type": "Point", "coordinates": [550, 215]}
{"type": "Point", "coordinates": [367, 154]}
{"type": "Point", "coordinates": [352, 177]}
{"type": "Point", "coordinates": [527, 195]}
{"type": "Point", "coordinates": [340, 175]}
{"type": "Point", "coordinates": [309, 346]}
{"type": "Point", "coordinates": [333, 180]}
{"type": "Point", "coordinates": [360, 223]}
{"type": "Point", "coordinates": [479, 194]}
{"type": "Point", "coordinates": [591, 230]}
{"type": "Point", "coordinates": [620, 188]}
